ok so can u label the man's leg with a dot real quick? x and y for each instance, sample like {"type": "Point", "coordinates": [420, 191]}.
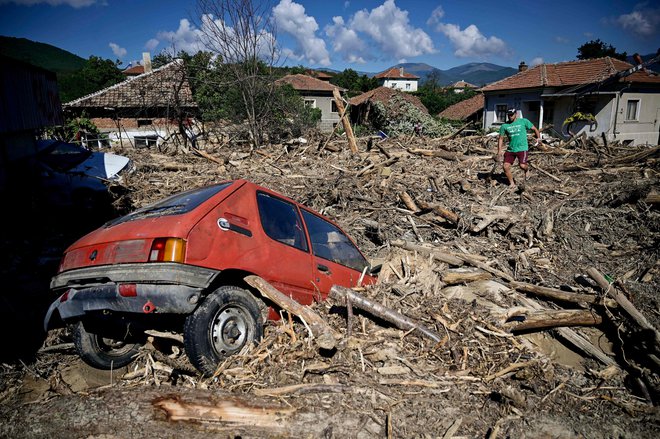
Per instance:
{"type": "Point", "coordinates": [522, 162]}
{"type": "Point", "coordinates": [507, 172]}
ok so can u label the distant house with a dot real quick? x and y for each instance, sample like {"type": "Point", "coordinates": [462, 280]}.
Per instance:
{"type": "Point", "coordinates": [317, 94]}
{"type": "Point", "coordinates": [395, 77]}
{"type": "Point", "coordinates": [623, 103]}
{"type": "Point", "coordinates": [144, 109]}
{"type": "Point", "coordinates": [133, 70]}
{"type": "Point", "coordinates": [29, 102]}
{"type": "Point", "coordinates": [323, 76]}
{"type": "Point", "coordinates": [461, 86]}
{"type": "Point", "coordinates": [469, 110]}
{"type": "Point", "coordinates": [362, 104]}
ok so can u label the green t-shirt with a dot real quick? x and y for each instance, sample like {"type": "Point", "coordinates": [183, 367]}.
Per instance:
{"type": "Point", "coordinates": [517, 134]}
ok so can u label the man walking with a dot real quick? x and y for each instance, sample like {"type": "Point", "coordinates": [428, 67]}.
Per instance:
{"type": "Point", "coordinates": [516, 132]}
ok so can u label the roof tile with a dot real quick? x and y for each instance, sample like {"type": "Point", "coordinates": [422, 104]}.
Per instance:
{"type": "Point", "coordinates": [464, 109]}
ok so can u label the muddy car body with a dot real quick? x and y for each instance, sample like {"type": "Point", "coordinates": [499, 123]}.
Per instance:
{"type": "Point", "coordinates": [181, 262]}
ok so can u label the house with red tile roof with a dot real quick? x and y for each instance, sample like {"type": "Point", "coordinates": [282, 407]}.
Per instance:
{"type": "Point", "coordinates": [396, 77]}
{"type": "Point", "coordinates": [144, 109]}
{"type": "Point", "coordinates": [134, 70]}
{"type": "Point", "coordinates": [623, 100]}
{"type": "Point", "coordinates": [461, 86]}
{"type": "Point", "coordinates": [316, 94]}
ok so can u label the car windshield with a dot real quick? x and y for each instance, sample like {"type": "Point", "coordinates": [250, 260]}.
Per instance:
{"type": "Point", "coordinates": [182, 202]}
{"type": "Point", "coordinates": [63, 156]}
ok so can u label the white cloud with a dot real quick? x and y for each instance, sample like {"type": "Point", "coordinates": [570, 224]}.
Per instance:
{"type": "Point", "coordinates": [186, 38]}
{"type": "Point", "coordinates": [119, 52]}
{"type": "Point", "coordinates": [347, 42]}
{"type": "Point", "coordinates": [390, 28]}
{"type": "Point", "coordinates": [471, 42]}
{"type": "Point", "coordinates": [435, 17]}
{"type": "Point", "coordinates": [561, 40]}
{"type": "Point", "coordinates": [536, 61]}
{"type": "Point", "coordinates": [73, 3]}
{"type": "Point", "coordinates": [151, 44]}
{"type": "Point", "coordinates": [290, 17]}
{"type": "Point", "coordinates": [642, 21]}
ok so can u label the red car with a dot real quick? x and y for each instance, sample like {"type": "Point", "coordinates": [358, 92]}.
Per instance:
{"type": "Point", "coordinates": [180, 263]}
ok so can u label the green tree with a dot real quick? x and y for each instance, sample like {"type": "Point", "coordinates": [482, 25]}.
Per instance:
{"type": "Point", "coordinates": [352, 81]}
{"type": "Point", "coordinates": [96, 74]}
{"type": "Point", "coordinates": [599, 49]}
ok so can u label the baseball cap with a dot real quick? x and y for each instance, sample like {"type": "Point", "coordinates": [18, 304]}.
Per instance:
{"type": "Point", "coordinates": [511, 111]}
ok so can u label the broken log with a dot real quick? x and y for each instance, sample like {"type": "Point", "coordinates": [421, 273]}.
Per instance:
{"type": "Point", "coordinates": [408, 201]}
{"type": "Point", "coordinates": [345, 122]}
{"type": "Point", "coordinates": [553, 319]}
{"type": "Point", "coordinates": [231, 410]}
{"type": "Point", "coordinates": [440, 211]}
{"type": "Point", "coordinates": [436, 254]}
{"type": "Point", "coordinates": [623, 301]}
{"type": "Point", "coordinates": [324, 335]}
{"type": "Point", "coordinates": [562, 296]}
{"type": "Point", "coordinates": [464, 275]}
{"type": "Point", "coordinates": [572, 337]}
{"type": "Point", "coordinates": [342, 294]}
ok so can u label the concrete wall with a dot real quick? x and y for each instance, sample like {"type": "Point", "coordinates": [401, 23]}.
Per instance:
{"type": "Point", "coordinates": [645, 130]}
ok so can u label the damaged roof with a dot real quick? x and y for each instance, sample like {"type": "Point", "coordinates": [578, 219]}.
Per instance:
{"type": "Point", "coordinates": [384, 95]}
{"type": "Point", "coordinates": [307, 83]}
{"type": "Point", "coordinates": [561, 74]}
{"type": "Point", "coordinates": [464, 109]}
{"type": "Point", "coordinates": [155, 89]}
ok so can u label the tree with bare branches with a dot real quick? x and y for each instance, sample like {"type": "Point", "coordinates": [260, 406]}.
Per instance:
{"type": "Point", "coordinates": [242, 35]}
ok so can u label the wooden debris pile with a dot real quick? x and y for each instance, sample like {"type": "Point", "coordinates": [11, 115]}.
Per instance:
{"type": "Point", "coordinates": [518, 313]}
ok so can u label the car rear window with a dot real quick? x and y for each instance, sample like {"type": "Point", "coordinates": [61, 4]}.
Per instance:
{"type": "Point", "coordinates": [176, 204]}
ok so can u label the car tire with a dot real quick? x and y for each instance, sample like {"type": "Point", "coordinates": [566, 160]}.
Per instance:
{"type": "Point", "coordinates": [227, 321]}
{"type": "Point", "coordinates": [101, 352]}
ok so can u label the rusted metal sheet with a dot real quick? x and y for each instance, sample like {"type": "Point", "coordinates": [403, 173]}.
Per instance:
{"type": "Point", "coordinates": [29, 97]}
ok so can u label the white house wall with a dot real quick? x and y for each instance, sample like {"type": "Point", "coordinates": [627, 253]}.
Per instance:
{"type": "Point", "coordinates": [400, 85]}
{"type": "Point", "coordinates": [646, 129]}
{"type": "Point", "coordinates": [511, 100]}
{"type": "Point", "coordinates": [328, 117]}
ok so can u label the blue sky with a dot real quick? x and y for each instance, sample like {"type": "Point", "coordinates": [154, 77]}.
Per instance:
{"type": "Point", "coordinates": [368, 35]}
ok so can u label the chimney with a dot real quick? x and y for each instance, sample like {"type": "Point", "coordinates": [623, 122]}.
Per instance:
{"type": "Point", "coordinates": [146, 62]}
{"type": "Point", "coordinates": [401, 70]}
{"type": "Point", "coordinates": [522, 66]}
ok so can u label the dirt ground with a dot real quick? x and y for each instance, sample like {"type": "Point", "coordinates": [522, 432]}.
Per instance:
{"type": "Point", "coordinates": [584, 206]}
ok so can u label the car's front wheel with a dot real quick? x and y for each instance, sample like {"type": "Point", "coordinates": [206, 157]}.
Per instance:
{"type": "Point", "coordinates": [103, 352]}
{"type": "Point", "coordinates": [228, 320]}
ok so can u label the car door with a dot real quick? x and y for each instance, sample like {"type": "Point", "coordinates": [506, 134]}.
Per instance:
{"type": "Point", "coordinates": [289, 263]}
{"type": "Point", "coordinates": [336, 260]}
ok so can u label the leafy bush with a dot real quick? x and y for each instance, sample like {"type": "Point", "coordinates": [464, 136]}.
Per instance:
{"type": "Point", "coordinates": [400, 117]}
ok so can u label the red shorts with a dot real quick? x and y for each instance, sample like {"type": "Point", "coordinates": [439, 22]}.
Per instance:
{"type": "Point", "coordinates": [510, 157]}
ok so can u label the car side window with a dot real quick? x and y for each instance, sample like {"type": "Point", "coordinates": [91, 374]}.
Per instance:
{"type": "Point", "coordinates": [329, 242]}
{"type": "Point", "coordinates": [280, 221]}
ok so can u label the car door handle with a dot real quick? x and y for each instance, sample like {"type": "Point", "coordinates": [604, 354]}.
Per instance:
{"type": "Point", "coordinates": [323, 268]}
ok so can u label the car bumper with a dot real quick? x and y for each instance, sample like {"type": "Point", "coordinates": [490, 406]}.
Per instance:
{"type": "Point", "coordinates": [153, 288]}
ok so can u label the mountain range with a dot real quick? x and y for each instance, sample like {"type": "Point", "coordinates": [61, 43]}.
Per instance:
{"type": "Point", "coordinates": [41, 55]}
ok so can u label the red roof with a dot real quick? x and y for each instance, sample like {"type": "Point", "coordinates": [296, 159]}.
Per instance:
{"type": "Point", "coordinates": [307, 83]}
{"type": "Point", "coordinates": [135, 70]}
{"type": "Point", "coordinates": [396, 73]}
{"type": "Point", "coordinates": [464, 109]}
{"type": "Point", "coordinates": [561, 74]}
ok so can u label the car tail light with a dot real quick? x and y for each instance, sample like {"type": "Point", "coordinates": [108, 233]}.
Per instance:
{"type": "Point", "coordinates": [167, 250]}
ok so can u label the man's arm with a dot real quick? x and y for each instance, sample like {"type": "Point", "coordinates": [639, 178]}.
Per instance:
{"type": "Point", "coordinates": [537, 133]}
{"type": "Point", "coordinates": [500, 144]}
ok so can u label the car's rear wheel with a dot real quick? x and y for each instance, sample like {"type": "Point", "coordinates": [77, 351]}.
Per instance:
{"type": "Point", "coordinates": [227, 321]}
{"type": "Point", "coordinates": [103, 352]}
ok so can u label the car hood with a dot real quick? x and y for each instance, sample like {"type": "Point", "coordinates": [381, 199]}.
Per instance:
{"type": "Point", "coordinates": [103, 165]}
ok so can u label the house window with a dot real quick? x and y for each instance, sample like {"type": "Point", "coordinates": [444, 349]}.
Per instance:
{"type": "Point", "coordinates": [408, 86]}
{"type": "Point", "coordinates": [334, 107]}
{"type": "Point", "coordinates": [500, 113]}
{"type": "Point", "coordinates": [144, 122]}
{"type": "Point", "coordinates": [310, 103]}
{"type": "Point", "coordinates": [145, 141]}
{"type": "Point", "coordinates": [632, 109]}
